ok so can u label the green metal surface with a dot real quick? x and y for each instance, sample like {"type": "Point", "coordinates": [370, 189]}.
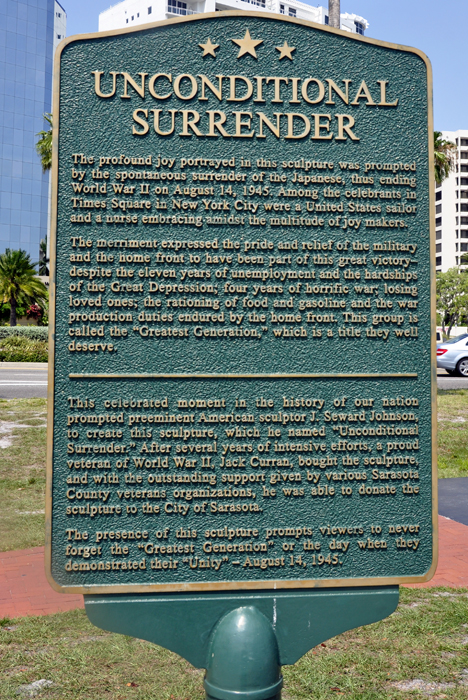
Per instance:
{"type": "Point", "coordinates": [243, 658]}
{"type": "Point", "coordinates": [184, 623]}
{"type": "Point", "coordinates": [241, 339]}
{"type": "Point", "coordinates": [272, 452]}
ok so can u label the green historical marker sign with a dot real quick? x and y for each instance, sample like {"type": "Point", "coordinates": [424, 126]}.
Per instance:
{"type": "Point", "coordinates": [242, 373]}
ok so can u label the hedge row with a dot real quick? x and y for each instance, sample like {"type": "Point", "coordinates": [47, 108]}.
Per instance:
{"type": "Point", "coordinates": [31, 332]}
{"type": "Point", "coordinates": [17, 348]}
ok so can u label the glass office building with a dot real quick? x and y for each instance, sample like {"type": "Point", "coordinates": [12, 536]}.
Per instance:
{"type": "Point", "coordinates": [30, 30]}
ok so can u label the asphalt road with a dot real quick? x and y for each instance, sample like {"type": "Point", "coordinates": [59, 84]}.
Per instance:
{"type": "Point", "coordinates": [453, 499]}
{"type": "Point", "coordinates": [445, 381]}
{"type": "Point", "coordinates": [29, 379]}
{"type": "Point", "coordinates": [23, 380]}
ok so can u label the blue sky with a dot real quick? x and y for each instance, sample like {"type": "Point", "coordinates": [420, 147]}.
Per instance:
{"type": "Point", "coordinates": [438, 29]}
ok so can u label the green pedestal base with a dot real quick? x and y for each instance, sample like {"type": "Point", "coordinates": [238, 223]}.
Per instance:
{"type": "Point", "coordinates": [243, 658]}
{"type": "Point", "coordinates": [242, 639]}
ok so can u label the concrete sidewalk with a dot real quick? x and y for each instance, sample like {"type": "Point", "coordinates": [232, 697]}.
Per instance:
{"type": "Point", "coordinates": [24, 589]}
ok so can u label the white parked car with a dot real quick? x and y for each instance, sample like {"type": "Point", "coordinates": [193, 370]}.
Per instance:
{"type": "Point", "coordinates": [452, 355]}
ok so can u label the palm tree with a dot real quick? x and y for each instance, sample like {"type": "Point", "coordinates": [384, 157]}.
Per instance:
{"type": "Point", "coordinates": [334, 13]}
{"type": "Point", "coordinates": [445, 155]}
{"type": "Point", "coordinates": [43, 259]}
{"type": "Point", "coordinates": [44, 145]}
{"type": "Point", "coordinates": [18, 281]}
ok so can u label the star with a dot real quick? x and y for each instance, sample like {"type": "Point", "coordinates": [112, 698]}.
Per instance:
{"type": "Point", "coordinates": [247, 45]}
{"type": "Point", "coordinates": [285, 51]}
{"type": "Point", "coordinates": [209, 48]}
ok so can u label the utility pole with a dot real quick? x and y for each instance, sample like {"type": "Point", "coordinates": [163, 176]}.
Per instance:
{"type": "Point", "coordinates": [334, 13]}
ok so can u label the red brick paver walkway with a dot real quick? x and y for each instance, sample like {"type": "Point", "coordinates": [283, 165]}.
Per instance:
{"type": "Point", "coordinates": [452, 569]}
{"type": "Point", "coordinates": [24, 589]}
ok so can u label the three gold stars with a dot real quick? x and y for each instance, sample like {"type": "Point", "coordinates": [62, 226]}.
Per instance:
{"type": "Point", "coordinates": [209, 48]}
{"type": "Point", "coordinates": [247, 45]}
{"type": "Point", "coordinates": [285, 51]}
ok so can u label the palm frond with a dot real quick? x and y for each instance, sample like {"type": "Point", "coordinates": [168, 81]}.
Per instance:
{"type": "Point", "coordinates": [19, 282]}
{"type": "Point", "coordinates": [44, 145]}
{"type": "Point", "coordinates": [445, 156]}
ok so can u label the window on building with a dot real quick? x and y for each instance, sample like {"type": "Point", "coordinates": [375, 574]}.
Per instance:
{"type": "Point", "coordinates": [438, 261]}
{"type": "Point", "coordinates": [456, 247]}
{"type": "Point", "coordinates": [464, 168]}
{"type": "Point", "coordinates": [463, 207]}
{"type": "Point", "coordinates": [359, 28]}
{"type": "Point", "coordinates": [150, 10]}
{"type": "Point", "coordinates": [438, 208]}
{"type": "Point", "coordinates": [138, 14]}
{"type": "Point", "coordinates": [464, 155]}
{"type": "Point", "coordinates": [463, 233]}
{"type": "Point", "coordinates": [326, 19]}
{"type": "Point", "coordinates": [282, 10]}
{"type": "Point", "coordinates": [464, 181]}
{"type": "Point", "coordinates": [463, 142]}
{"type": "Point", "coordinates": [439, 248]}
{"type": "Point", "coordinates": [126, 20]}
{"type": "Point", "coordinates": [177, 7]}
{"type": "Point", "coordinates": [438, 196]}
{"type": "Point", "coordinates": [463, 247]}
{"type": "Point", "coordinates": [438, 235]}
{"type": "Point", "coordinates": [59, 36]}
{"type": "Point", "coordinates": [463, 195]}
{"type": "Point", "coordinates": [292, 12]}
{"type": "Point", "coordinates": [439, 221]}
{"type": "Point", "coordinates": [456, 260]}
{"type": "Point", "coordinates": [133, 17]}
{"type": "Point", "coordinates": [58, 14]}
{"type": "Point", "coordinates": [464, 220]}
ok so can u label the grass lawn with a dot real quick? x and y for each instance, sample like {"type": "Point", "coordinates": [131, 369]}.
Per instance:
{"type": "Point", "coordinates": [420, 651]}
{"type": "Point", "coordinates": [453, 433]}
{"type": "Point", "coordinates": [22, 462]}
{"type": "Point", "coordinates": [22, 472]}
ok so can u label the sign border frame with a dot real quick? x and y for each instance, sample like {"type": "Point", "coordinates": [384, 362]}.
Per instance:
{"type": "Point", "coordinates": [218, 586]}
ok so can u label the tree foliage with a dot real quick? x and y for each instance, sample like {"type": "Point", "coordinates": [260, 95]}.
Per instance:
{"type": "Point", "coordinates": [43, 259]}
{"type": "Point", "coordinates": [44, 145]}
{"type": "Point", "coordinates": [19, 283]}
{"type": "Point", "coordinates": [445, 155]}
{"type": "Point", "coordinates": [452, 296]}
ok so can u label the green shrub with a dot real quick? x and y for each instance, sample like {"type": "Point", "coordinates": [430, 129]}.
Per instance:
{"type": "Point", "coordinates": [31, 332]}
{"type": "Point", "coordinates": [21, 349]}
